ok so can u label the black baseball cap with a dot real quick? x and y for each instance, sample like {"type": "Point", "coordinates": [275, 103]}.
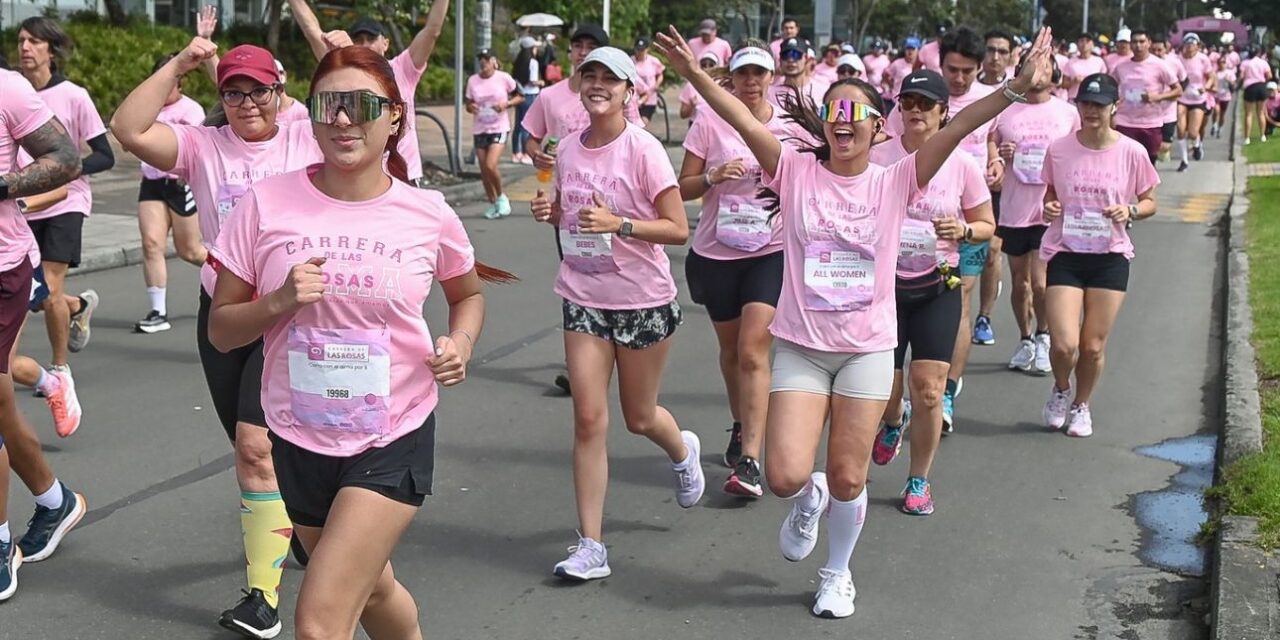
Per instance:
{"type": "Point", "coordinates": [794, 44]}
{"type": "Point", "coordinates": [642, 43]}
{"type": "Point", "coordinates": [1099, 88]}
{"type": "Point", "coordinates": [484, 53]}
{"type": "Point", "coordinates": [366, 25]}
{"type": "Point", "coordinates": [927, 83]}
{"type": "Point", "coordinates": [592, 31]}
{"type": "Point", "coordinates": [1086, 34]}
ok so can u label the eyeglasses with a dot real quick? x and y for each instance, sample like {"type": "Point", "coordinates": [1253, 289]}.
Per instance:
{"type": "Point", "coordinates": [360, 106]}
{"type": "Point", "coordinates": [260, 96]}
{"type": "Point", "coordinates": [913, 102]}
{"type": "Point", "coordinates": [847, 110]}
{"type": "Point", "coordinates": [846, 70]}
{"type": "Point", "coordinates": [999, 51]}
{"type": "Point", "coordinates": [792, 55]}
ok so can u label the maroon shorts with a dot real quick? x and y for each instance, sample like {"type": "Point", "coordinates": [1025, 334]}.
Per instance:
{"type": "Point", "coordinates": [15, 291]}
{"type": "Point", "coordinates": [1150, 139]}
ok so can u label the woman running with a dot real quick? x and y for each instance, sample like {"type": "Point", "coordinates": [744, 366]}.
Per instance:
{"type": "Point", "coordinates": [165, 202]}
{"type": "Point", "coordinates": [834, 327]}
{"type": "Point", "coordinates": [1254, 74]}
{"type": "Point", "coordinates": [1193, 103]}
{"type": "Point", "coordinates": [1225, 83]}
{"type": "Point", "coordinates": [1097, 182]}
{"type": "Point", "coordinates": [489, 94]}
{"type": "Point", "coordinates": [734, 268]}
{"type": "Point", "coordinates": [954, 207]}
{"type": "Point", "coordinates": [617, 204]}
{"type": "Point", "coordinates": [351, 371]}
{"type": "Point", "coordinates": [220, 164]}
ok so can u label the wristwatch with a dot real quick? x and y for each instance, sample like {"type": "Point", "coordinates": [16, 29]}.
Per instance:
{"type": "Point", "coordinates": [625, 229]}
{"type": "Point", "coordinates": [1013, 96]}
{"type": "Point", "coordinates": [968, 233]}
{"type": "Point", "coordinates": [4, 189]}
{"type": "Point", "coordinates": [1133, 212]}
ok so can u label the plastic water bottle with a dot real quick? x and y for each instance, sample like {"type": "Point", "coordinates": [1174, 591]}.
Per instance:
{"type": "Point", "coordinates": [544, 175]}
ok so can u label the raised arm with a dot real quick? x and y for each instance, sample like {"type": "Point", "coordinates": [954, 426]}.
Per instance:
{"type": "Point", "coordinates": [134, 122]}
{"type": "Point", "coordinates": [310, 25]}
{"type": "Point", "coordinates": [763, 144]}
{"type": "Point", "coordinates": [206, 24]}
{"type": "Point", "coordinates": [425, 41]}
{"type": "Point", "coordinates": [1036, 70]}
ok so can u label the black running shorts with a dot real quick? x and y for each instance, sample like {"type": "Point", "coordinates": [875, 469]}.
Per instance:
{"type": "Point", "coordinates": [725, 287]}
{"type": "Point", "coordinates": [1089, 271]}
{"type": "Point", "coordinates": [234, 378]}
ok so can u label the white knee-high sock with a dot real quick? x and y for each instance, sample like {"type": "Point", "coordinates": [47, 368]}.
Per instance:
{"type": "Point", "coordinates": [1182, 149]}
{"type": "Point", "coordinates": [844, 525]}
{"type": "Point", "coordinates": [807, 498]}
{"type": "Point", "coordinates": [158, 300]}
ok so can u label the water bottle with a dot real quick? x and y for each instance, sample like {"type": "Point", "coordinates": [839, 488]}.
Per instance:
{"type": "Point", "coordinates": [544, 175]}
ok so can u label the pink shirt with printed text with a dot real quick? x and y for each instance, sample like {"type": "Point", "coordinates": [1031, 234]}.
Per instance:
{"type": "Point", "coordinates": [1089, 180]}
{"type": "Point", "coordinates": [558, 112]}
{"type": "Point", "coordinates": [1198, 69]}
{"type": "Point", "coordinates": [1032, 127]}
{"type": "Point", "coordinates": [1080, 68]}
{"type": "Point", "coordinates": [1254, 70]}
{"type": "Point", "coordinates": [219, 167]}
{"type": "Point", "coordinates": [21, 113]}
{"type": "Point", "coordinates": [184, 111]}
{"type": "Point", "coordinates": [717, 143]}
{"type": "Point", "coordinates": [407, 76]}
{"type": "Point", "coordinates": [1151, 76]}
{"type": "Point", "coordinates": [378, 274]}
{"type": "Point", "coordinates": [862, 213]}
{"type": "Point", "coordinates": [73, 106]}
{"type": "Point", "coordinates": [629, 173]}
{"type": "Point", "coordinates": [974, 144]}
{"type": "Point", "coordinates": [651, 70]}
{"type": "Point", "coordinates": [960, 184]}
{"type": "Point", "coordinates": [488, 94]}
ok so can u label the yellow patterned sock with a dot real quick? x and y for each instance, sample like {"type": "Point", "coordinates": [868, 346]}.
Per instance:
{"type": "Point", "coordinates": [267, 530]}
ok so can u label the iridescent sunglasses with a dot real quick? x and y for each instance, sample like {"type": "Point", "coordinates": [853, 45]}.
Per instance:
{"type": "Point", "coordinates": [360, 106]}
{"type": "Point", "coordinates": [846, 110]}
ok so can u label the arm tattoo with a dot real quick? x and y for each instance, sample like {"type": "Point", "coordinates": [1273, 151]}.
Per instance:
{"type": "Point", "coordinates": [57, 161]}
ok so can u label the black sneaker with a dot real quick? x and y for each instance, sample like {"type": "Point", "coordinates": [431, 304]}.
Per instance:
{"type": "Point", "coordinates": [1197, 153]}
{"type": "Point", "coordinates": [300, 555]}
{"type": "Point", "coordinates": [734, 450]}
{"type": "Point", "coordinates": [1182, 166]}
{"type": "Point", "coordinates": [10, 560]}
{"type": "Point", "coordinates": [745, 479]}
{"type": "Point", "coordinates": [155, 322]}
{"type": "Point", "coordinates": [253, 617]}
{"type": "Point", "coordinates": [562, 381]}
{"type": "Point", "coordinates": [47, 527]}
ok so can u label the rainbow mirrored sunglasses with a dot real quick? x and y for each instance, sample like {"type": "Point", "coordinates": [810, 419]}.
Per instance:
{"type": "Point", "coordinates": [360, 106]}
{"type": "Point", "coordinates": [847, 111]}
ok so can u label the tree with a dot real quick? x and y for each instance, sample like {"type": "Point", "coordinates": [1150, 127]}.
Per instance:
{"type": "Point", "coordinates": [273, 24]}
{"type": "Point", "coordinates": [897, 19]}
{"type": "Point", "coordinates": [116, 13]}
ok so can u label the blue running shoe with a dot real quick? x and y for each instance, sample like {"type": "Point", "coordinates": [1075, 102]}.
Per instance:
{"type": "Point", "coordinates": [982, 332]}
{"type": "Point", "coordinates": [47, 527]}
{"type": "Point", "coordinates": [10, 560]}
{"type": "Point", "coordinates": [948, 408]}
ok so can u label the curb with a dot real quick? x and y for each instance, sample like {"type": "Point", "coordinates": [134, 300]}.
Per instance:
{"type": "Point", "coordinates": [131, 253]}
{"type": "Point", "coordinates": [1245, 601]}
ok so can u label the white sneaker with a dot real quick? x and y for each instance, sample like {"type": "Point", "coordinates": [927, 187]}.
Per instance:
{"type": "Point", "coordinates": [1081, 425]}
{"type": "Point", "coordinates": [80, 332]}
{"type": "Point", "coordinates": [690, 483]}
{"type": "Point", "coordinates": [588, 560]}
{"type": "Point", "coordinates": [799, 533]}
{"type": "Point", "coordinates": [835, 594]}
{"type": "Point", "coordinates": [1055, 410]}
{"type": "Point", "coordinates": [1043, 366]}
{"type": "Point", "coordinates": [1025, 357]}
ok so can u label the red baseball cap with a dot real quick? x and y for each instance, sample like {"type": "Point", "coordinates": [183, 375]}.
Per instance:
{"type": "Point", "coordinates": [248, 61]}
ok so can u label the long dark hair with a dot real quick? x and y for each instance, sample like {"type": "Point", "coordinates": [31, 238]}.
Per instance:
{"type": "Point", "coordinates": [521, 70]}
{"type": "Point", "coordinates": [48, 29]}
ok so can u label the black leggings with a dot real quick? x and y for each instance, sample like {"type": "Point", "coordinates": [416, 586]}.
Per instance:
{"type": "Point", "coordinates": [928, 326]}
{"type": "Point", "coordinates": [234, 378]}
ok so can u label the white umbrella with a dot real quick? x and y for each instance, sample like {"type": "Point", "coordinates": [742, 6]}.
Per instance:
{"type": "Point", "coordinates": [539, 21]}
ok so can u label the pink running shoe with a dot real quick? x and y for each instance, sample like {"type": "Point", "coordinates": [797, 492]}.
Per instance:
{"type": "Point", "coordinates": [1081, 425]}
{"type": "Point", "coordinates": [916, 497]}
{"type": "Point", "coordinates": [889, 439]}
{"type": "Point", "coordinates": [1055, 410]}
{"type": "Point", "coordinates": [64, 405]}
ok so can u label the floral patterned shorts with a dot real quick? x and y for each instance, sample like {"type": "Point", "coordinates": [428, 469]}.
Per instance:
{"type": "Point", "coordinates": [630, 328]}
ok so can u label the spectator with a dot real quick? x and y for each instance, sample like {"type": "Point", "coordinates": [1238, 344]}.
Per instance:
{"type": "Point", "coordinates": [529, 71]}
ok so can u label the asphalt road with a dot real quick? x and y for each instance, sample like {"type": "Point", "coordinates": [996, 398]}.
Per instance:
{"type": "Point", "coordinates": [1034, 536]}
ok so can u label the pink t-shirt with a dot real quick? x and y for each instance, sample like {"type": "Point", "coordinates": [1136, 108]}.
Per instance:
{"type": "Point", "coordinates": [607, 271]}
{"type": "Point", "coordinates": [71, 103]}
{"type": "Point", "coordinates": [1151, 76]}
{"type": "Point", "coordinates": [488, 93]}
{"type": "Point", "coordinates": [558, 112]}
{"type": "Point", "coordinates": [1032, 127]}
{"type": "Point", "coordinates": [825, 73]}
{"type": "Point", "coordinates": [1233, 60]}
{"type": "Point", "coordinates": [219, 167]}
{"type": "Point", "coordinates": [1087, 181]}
{"type": "Point", "coordinates": [718, 46]}
{"type": "Point", "coordinates": [184, 111]}
{"type": "Point", "coordinates": [689, 95]}
{"type": "Point", "coordinates": [295, 112]}
{"type": "Point", "coordinates": [897, 70]}
{"type": "Point", "coordinates": [651, 70]}
{"type": "Point", "coordinates": [974, 144]}
{"type": "Point", "coordinates": [1171, 106]}
{"type": "Point", "coordinates": [1254, 70]}
{"type": "Point", "coordinates": [734, 222]}
{"type": "Point", "coordinates": [407, 76]}
{"type": "Point", "coordinates": [931, 56]}
{"type": "Point", "coordinates": [960, 184]}
{"type": "Point", "coordinates": [21, 112]}
{"type": "Point", "coordinates": [813, 90]}
{"type": "Point", "coordinates": [840, 251]}
{"type": "Point", "coordinates": [1272, 103]}
{"type": "Point", "coordinates": [1198, 70]}
{"type": "Point", "coordinates": [1080, 68]}
{"type": "Point", "coordinates": [1114, 60]}
{"type": "Point", "coordinates": [876, 66]}
{"type": "Point", "coordinates": [350, 372]}
{"type": "Point", "coordinates": [1226, 82]}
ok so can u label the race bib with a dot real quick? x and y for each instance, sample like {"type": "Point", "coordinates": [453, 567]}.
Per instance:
{"type": "Point", "coordinates": [1192, 91]}
{"type": "Point", "coordinates": [340, 379]}
{"type": "Point", "coordinates": [1028, 161]}
{"type": "Point", "coordinates": [975, 145]}
{"type": "Point", "coordinates": [227, 197]}
{"type": "Point", "coordinates": [742, 224]}
{"type": "Point", "coordinates": [488, 115]}
{"type": "Point", "coordinates": [917, 246]}
{"type": "Point", "coordinates": [1085, 231]}
{"type": "Point", "coordinates": [838, 276]}
{"type": "Point", "coordinates": [1133, 93]}
{"type": "Point", "coordinates": [585, 252]}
